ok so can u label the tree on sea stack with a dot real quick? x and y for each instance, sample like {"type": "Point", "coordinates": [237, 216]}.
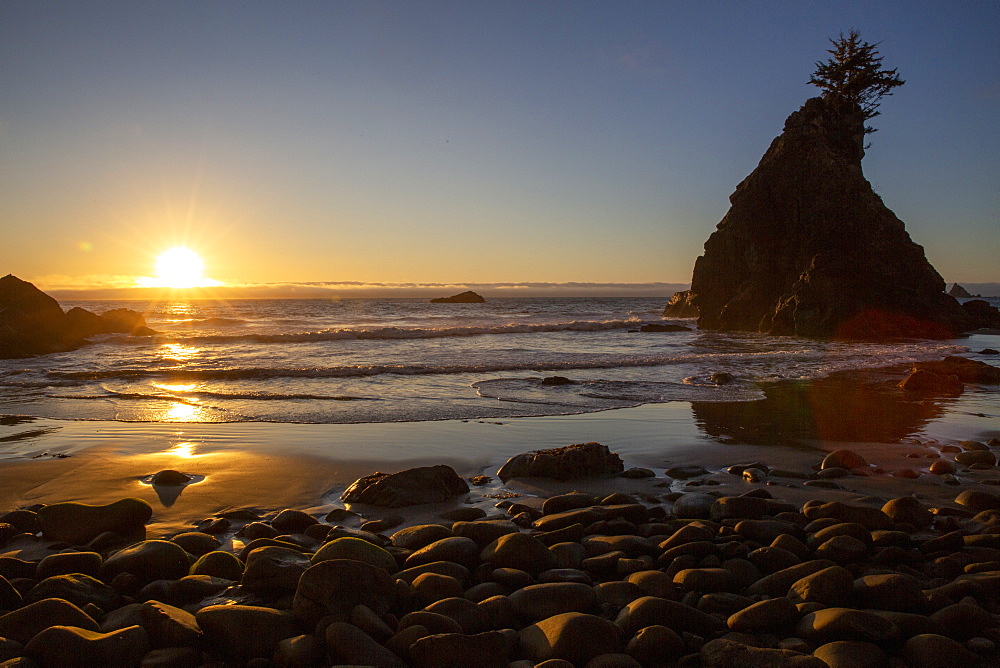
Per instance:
{"type": "Point", "coordinates": [808, 248]}
{"type": "Point", "coordinates": [853, 73]}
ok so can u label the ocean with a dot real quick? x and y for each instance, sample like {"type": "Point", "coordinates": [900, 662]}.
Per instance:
{"type": "Point", "coordinates": [397, 360]}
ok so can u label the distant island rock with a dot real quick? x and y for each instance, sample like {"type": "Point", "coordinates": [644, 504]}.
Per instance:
{"type": "Point", "coordinates": [33, 323]}
{"type": "Point", "coordinates": [809, 249]}
{"type": "Point", "coordinates": [467, 297]}
{"type": "Point", "coordinates": [958, 292]}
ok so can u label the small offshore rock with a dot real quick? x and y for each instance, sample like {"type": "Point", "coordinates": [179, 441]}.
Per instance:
{"type": "Point", "coordinates": [170, 478]}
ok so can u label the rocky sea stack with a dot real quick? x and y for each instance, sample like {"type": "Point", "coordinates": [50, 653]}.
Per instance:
{"type": "Point", "coordinates": [809, 249]}
{"type": "Point", "coordinates": [33, 323]}
{"type": "Point", "coordinates": [467, 297]}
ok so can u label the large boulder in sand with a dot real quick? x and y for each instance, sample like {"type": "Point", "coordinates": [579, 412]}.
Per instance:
{"type": "Point", "coordinates": [79, 523]}
{"type": "Point", "coordinates": [567, 463]}
{"type": "Point", "coordinates": [425, 484]}
{"type": "Point", "coordinates": [467, 297]}
{"type": "Point", "coordinates": [809, 249]}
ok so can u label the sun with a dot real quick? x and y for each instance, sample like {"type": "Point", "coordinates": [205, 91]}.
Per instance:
{"type": "Point", "coordinates": [179, 267]}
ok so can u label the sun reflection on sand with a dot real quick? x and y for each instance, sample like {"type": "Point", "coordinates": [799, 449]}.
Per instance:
{"type": "Point", "coordinates": [185, 449]}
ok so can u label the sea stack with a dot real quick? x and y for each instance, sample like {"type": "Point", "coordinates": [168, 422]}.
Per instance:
{"type": "Point", "coordinates": [809, 249]}
{"type": "Point", "coordinates": [467, 297]}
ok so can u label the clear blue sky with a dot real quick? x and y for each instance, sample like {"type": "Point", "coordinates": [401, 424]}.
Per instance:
{"type": "Point", "coordinates": [460, 141]}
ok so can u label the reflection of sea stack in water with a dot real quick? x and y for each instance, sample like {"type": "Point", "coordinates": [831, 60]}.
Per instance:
{"type": "Point", "coordinates": [467, 297]}
{"type": "Point", "coordinates": [808, 248]}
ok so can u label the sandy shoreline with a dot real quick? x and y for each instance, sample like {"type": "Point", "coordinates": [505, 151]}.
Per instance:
{"type": "Point", "coordinates": [271, 466]}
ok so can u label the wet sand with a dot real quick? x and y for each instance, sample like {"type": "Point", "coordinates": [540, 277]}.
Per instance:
{"type": "Point", "coordinates": [268, 467]}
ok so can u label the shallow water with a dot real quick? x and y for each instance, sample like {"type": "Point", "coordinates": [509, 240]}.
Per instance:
{"type": "Point", "coordinates": [390, 360]}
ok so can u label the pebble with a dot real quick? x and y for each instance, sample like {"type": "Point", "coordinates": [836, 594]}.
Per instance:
{"type": "Point", "coordinates": [148, 560]}
{"type": "Point", "coordinates": [244, 631]}
{"type": "Point", "coordinates": [358, 550]}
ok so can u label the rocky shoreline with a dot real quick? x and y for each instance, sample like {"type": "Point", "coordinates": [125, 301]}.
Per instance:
{"type": "Point", "coordinates": [751, 565]}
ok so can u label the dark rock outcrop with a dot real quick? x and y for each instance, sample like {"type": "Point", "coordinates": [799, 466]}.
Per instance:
{"type": "Point", "coordinates": [680, 306]}
{"type": "Point", "coordinates": [658, 327]}
{"type": "Point", "coordinates": [467, 297]}
{"type": "Point", "coordinates": [982, 314]}
{"type": "Point", "coordinates": [808, 248]}
{"type": "Point", "coordinates": [425, 484]}
{"type": "Point", "coordinates": [32, 322]}
{"type": "Point", "coordinates": [566, 463]}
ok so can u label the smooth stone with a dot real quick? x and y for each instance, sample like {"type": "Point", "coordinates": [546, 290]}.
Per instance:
{"type": "Point", "coordinates": [72, 647]}
{"type": "Point", "coordinates": [450, 568]}
{"type": "Point", "coordinates": [831, 586]}
{"type": "Point", "coordinates": [520, 551]}
{"type": "Point", "coordinates": [705, 579]}
{"type": "Point", "coordinates": [24, 623]}
{"type": "Point", "coordinates": [772, 559]}
{"type": "Point", "coordinates": [767, 615]}
{"type": "Point", "coordinates": [693, 506]}
{"type": "Point", "coordinates": [79, 523]}
{"type": "Point", "coordinates": [453, 650]}
{"type": "Point", "coordinates": [653, 583]}
{"type": "Point", "coordinates": [170, 478]}
{"type": "Point", "coordinates": [832, 624]}
{"type": "Point", "coordinates": [851, 654]}
{"type": "Point", "coordinates": [616, 594]}
{"type": "Point", "coordinates": [358, 550]}
{"type": "Point", "coordinates": [891, 591]}
{"type": "Point", "coordinates": [421, 535]}
{"type": "Point", "coordinates": [650, 610]}
{"type": "Point", "coordinates": [196, 542]}
{"type": "Point", "coordinates": [299, 651]}
{"type": "Point", "coordinates": [274, 570]}
{"type": "Point", "coordinates": [978, 501]}
{"type": "Point", "coordinates": [432, 622]}
{"type": "Point", "coordinates": [291, 521]}
{"type": "Point", "coordinates": [149, 560]}
{"type": "Point", "coordinates": [971, 457]}
{"type": "Point", "coordinates": [655, 645]}
{"type": "Point", "coordinates": [724, 653]}
{"type": "Point", "coordinates": [572, 636]}
{"type": "Point", "coordinates": [870, 518]}
{"type": "Point", "coordinates": [747, 508]}
{"type": "Point", "coordinates": [472, 618]}
{"type": "Point", "coordinates": [165, 625]}
{"type": "Point", "coordinates": [10, 597]}
{"type": "Point", "coordinates": [541, 601]}
{"type": "Point", "coordinates": [942, 467]}
{"type": "Point", "coordinates": [570, 462]}
{"type": "Point", "coordinates": [218, 564]}
{"type": "Point", "coordinates": [244, 631]}
{"type": "Point", "coordinates": [929, 650]}
{"type": "Point", "coordinates": [457, 549]}
{"type": "Point", "coordinates": [842, 549]}
{"type": "Point", "coordinates": [846, 459]}
{"type": "Point", "coordinates": [686, 472]}
{"type": "Point", "coordinates": [778, 584]}
{"type": "Point", "coordinates": [637, 473]}
{"type": "Point", "coordinates": [962, 621]}
{"type": "Point", "coordinates": [425, 484]}
{"type": "Point", "coordinates": [64, 563]}
{"type": "Point", "coordinates": [350, 645]}
{"type": "Point", "coordinates": [336, 586]}
{"type": "Point", "coordinates": [909, 510]}
{"type": "Point", "coordinates": [484, 532]}
{"type": "Point", "coordinates": [430, 587]}
{"type": "Point", "coordinates": [77, 588]}
{"type": "Point", "coordinates": [571, 501]}
{"type": "Point", "coordinates": [619, 660]}
{"type": "Point", "coordinates": [172, 657]}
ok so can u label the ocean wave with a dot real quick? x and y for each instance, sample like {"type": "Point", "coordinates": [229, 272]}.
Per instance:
{"type": "Point", "coordinates": [211, 322]}
{"type": "Point", "coordinates": [605, 394]}
{"type": "Point", "coordinates": [396, 333]}
{"type": "Point", "coordinates": [193, 398]}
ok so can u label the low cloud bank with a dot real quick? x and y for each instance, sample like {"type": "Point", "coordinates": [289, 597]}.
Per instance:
{"type": "Point", "coordinates": [123, 287]}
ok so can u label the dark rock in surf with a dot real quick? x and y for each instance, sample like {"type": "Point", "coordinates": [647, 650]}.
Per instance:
{"type": "Point", "coordinates": [556, 380]}
{"type": "Point", "coordinates": [567, 463]}
{"type": "Point", "coordinates": [425, 484]}
{"type": "Point", "coordinates": [965, 369]}
{"type": "Point", "coordinates": [809, 249]}
{"type": "Point", "coordinates": [681, 306]}
{"type": "Point", "coordinates": [657, 327]}
{"type": "Point", "coordinates": [930, 383]}
{"type": "Point", "coordinates": [982, 314]}
{"type": "Point", "coordinates": [169, 477]}
{"type": "Point", "coordinates": [31, 322]}
{"type": "Point", "coordinates": [467, 297]}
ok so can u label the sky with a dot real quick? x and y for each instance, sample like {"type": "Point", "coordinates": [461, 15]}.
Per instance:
{"type": "Point", "coordinates": [452, 143]}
